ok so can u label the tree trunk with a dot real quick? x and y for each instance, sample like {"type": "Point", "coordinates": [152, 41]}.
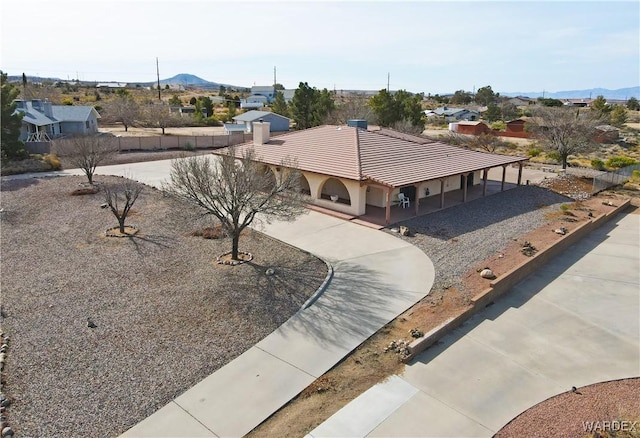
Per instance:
{"type": "Point", "coordinates": [564, 161]}
{"type": "Point", "coordinates": [90, 177]}
{"type": "Point", "coordinates": [121, 223]}
{"type": "Point", "coordinates": [234, 246]}
{"type": "Point", "coordinates": [126, 128]}
{"type": "Point", "coordinates": [163, 130]}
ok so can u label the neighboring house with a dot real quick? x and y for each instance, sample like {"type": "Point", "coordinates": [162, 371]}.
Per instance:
{"type": "Point", "coordinates": [277, 122]}
{"type": "Point", "coordinates": [606, 134]}
{"type": "Point", "coordinates": [521, 101]}
{"type": "Point", "coordinates": [111, 85]}
{"type": "Point", "coordinates": [267, 91]}
{"type": "Point", "coordinates": [354, 170]}
{"type": "Point", "coordinates": [42, 121]}
{"type": "Point", "coordinates": [582, 103]}
{"type": "Point", "coordinates": [454, 114]}
{"type": "Point", "coordinates": [471, 128]}
{"type": "Point", "coordinates": [254, 102]}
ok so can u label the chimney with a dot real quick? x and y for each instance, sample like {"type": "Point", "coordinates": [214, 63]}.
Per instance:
{"type": "Point", "coordinates": [48, 110]}
{"type": "Point", "coordinates": [36, 104]}
{"type": "Point", "coordinates": [261, 132]}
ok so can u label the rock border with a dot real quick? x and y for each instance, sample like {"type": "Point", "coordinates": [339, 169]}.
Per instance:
{"type": "Point", "coordinates": [506, 281]}
{"type": "Point", "coordinates": [234, 262]}
{"type": "Point", "coordinates": [108, 232]}
{"type": "Point", "coordinates": [6, 430]}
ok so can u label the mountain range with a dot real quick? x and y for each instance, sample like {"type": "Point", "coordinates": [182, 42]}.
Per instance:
{"type": "Point", "coordinates": [188, 80]}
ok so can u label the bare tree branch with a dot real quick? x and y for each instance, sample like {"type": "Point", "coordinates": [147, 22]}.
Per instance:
{"type": "Point", "coordinates": [86, 152]}
{"type": "Point", "coordinates": [237, 191]}
{"type": "Point", "coordinates": [120, 198]}
{"type": "Point", "coordinates": [564, 130]}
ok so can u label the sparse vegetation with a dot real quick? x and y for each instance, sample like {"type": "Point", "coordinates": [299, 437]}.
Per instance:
{"type": "Point", "coordinates": [620, 161]}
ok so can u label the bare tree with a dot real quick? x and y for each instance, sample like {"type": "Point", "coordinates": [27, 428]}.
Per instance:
{"type": "Point", "coordinates": [564, 130]}
{"type": "Point", "coordinates": [160, 116]}
{"type": "Point", "coordinates": [352, 107]}
{"type": "Point", "coordinates": [86, 152]}
{"type": "Point", "coordinates": [123, 109]}
{"type": "Point", "coordinates": [236, 189]}
{"type": "Point", "coordinates": [120, 197]}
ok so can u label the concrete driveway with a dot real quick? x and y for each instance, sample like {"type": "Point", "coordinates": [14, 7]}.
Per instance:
{"type": "Point", "coordinates": [573, 323]}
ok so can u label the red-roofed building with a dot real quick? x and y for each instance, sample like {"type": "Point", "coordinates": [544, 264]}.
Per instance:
{"type": "Point", "coordinates": [348, 168]}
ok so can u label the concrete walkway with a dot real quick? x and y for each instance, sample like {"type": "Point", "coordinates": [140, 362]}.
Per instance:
{"type": "Point", "coordinates": [573, 323]}
{"type": "Point", "coordinates": [376, 277]}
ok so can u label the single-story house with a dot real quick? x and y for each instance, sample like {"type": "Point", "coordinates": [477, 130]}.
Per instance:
{"type": "Point", "coordinates": [42, 121]}
{"type": "Point", "coordinates": [253, 102]}
{"type": "Point", "coordinates": [470, 128]}
{"type": "Point", "coordinates": [454, 114]}
{"type": "Point", "coordinates": [277, 122]}
{"type": "Point", "coordinates": [352, 169]}
{"type": "Point", "coordinates": [521, 101]}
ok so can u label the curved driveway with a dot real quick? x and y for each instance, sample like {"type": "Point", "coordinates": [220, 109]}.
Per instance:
{"type": "Point", "coordinates": [376, 277]}
{"type": "Point", "coordinates": [572, 323]}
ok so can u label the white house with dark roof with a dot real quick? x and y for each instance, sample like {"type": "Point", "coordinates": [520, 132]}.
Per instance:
{"type": "Point", "coordinates": [42, 121]}
{"type": "Point", "coordinates": [354, 170]}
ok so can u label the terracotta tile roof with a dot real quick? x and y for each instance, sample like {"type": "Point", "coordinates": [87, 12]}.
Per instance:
{"type": "Point", "coordinates": [396, 162]}
{"type": "Point", "coordinates": [384, 156]}
{"type": "Point", "coordinates": [330, 150]}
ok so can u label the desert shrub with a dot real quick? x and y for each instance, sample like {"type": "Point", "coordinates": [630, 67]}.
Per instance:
{"type": "Point", "coordinates": [85, 191]}
{"type": "Point", "coordinates": [208, 232]}
{"type": "Point", "coordinates": [53, 161]}
{"type": "Point", "coordinates": [534, 152]}
{"type": "Point", "coordinates": [498, 126]}
{"type": "Point", "coordinates": [620, 161]}
{"type": "Point", "coordinates": [554, 156]}
{"type": "Point", "coordinates": [564, 207]}
{"type": "Point", "coordinates": [189, 146]}
{"type": "Point", "coordinates": [635, 176]}
{"type": "Point", "coordinates": [597, 164]}
{"type": "Point", "coordinates": [35, 163]}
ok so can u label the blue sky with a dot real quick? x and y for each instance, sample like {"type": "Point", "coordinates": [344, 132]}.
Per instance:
{"type": "Point", "coordinates": [425, 46]}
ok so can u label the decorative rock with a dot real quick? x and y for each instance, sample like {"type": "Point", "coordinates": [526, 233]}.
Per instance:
{"type": "Point", "coordinates": [104, 205]}
{"type": "Point", "coordinates": [395, 230]}
{"type": "Point", "coordinates": [404, 231]}
{"type": "Point", "coordinates": [270, 271]}
{"type": "Point", "coordinates": [487, 273]}
{"type": "Point", "coordinates": [561, 230]}
{"type": "Point", "coordinates": [5, 403]}
{"type": "Point", "coordinates": [7, 431]}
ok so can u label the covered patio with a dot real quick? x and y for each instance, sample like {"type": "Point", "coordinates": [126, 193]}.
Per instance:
{"type": "Point", "coordinates": [376, 217]}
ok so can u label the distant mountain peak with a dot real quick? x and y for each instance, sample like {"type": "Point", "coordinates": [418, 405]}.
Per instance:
{"type": "Point", "coordinates": [186, 79]}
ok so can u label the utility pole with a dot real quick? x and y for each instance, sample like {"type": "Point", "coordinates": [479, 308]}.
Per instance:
{"type": "Point", "coordinates": [274, 77]}
{"type": "Point", "coordinates": [388, 78]}
{"type": "Point", "coordinates": [158, 72]}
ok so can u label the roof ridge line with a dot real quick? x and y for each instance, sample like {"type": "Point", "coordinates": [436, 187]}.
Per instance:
{"type": "Point", "coordinates": [359, 161]}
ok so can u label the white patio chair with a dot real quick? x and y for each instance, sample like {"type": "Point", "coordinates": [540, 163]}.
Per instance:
{"type": "Point", "coordinates": [404, 201]}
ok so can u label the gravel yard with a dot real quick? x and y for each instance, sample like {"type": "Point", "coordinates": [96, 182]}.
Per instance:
{"type": "Point", "coordinates": [166, 314]}
{"type": "Point", "coordinates": [457, 238]}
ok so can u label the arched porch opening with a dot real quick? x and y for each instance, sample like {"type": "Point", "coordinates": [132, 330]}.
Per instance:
{"type": "Point", "coordinates": [304, 185]}
{"type": "Point", "coordinates": [334, 190]}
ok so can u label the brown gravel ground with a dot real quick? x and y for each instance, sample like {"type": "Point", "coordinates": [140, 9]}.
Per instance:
{"type": "Point", "coordinates": [568, 414]}
{"type": "Point", "coordinates": [166, 314]}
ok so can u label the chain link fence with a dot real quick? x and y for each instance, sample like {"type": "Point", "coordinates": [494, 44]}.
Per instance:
{"type": "Point", "coordinates": [604, 180]}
